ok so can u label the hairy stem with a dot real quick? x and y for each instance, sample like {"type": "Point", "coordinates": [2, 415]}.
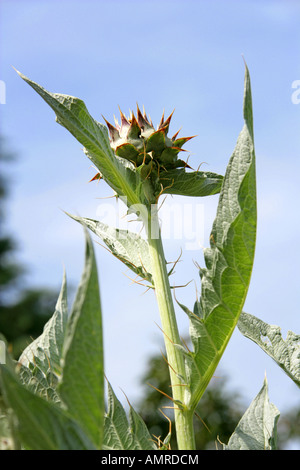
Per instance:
{"type": "Point", "coordinates": [183, 416]}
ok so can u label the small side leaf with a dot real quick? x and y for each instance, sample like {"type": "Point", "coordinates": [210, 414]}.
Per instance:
{"type": "Point", "coordinates": [285, 352]}
{"type": "Point", "coordinates": [121, 435]}
{"type": "Point", "coordinates": [194, 184]}
{"type": "Point", "coordinates": [127, 246]}
{"type": "Point", "coordinates": [81, 387]}
{"type": "Point", "coordinates": [257, 428]}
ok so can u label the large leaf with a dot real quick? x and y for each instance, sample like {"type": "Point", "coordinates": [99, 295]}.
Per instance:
{"type": "Point", "coordinates": [41, 424]}
{"type": "Point", "coordinates": [285, 352]}
{"type": "Point", "coordinates": [119, 434]}
{"type": "Point", "coordinates": [229, 261]}
{"type": "Point", "coordinates": [72, 114]}
{"type": "Point", "coordinates": [257, 429]}
{"type": "Point", "coordinates": [82, 384]}
{"type": "Point", "coordinates": [73, 348]}
{"type": "Point", "coordinates": [195, 183]}
{"type": "Point", "coordinates": [127, 246]}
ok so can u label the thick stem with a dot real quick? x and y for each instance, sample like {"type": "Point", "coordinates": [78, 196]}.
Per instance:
{"type": "Point", "coordinates": [183, 416]}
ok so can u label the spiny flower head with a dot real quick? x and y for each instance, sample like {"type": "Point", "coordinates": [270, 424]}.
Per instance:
{"type": "Point", "coordinates": [135, 139]}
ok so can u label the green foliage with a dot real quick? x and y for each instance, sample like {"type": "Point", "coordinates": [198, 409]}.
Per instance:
{"type": "Point", "coordinates": [127, 246]}
{"type": "Point", "coordinates": [229, 261]}
{"type": "Point", "coordinates": [121, 435]}
{"type": "Point", "coordinates": [57, 392]}
{"type": "Point", "coordinates": [41, 424]}
{"type": "Point", "coordinates": [41, 360]}
{"type": "Point", "coordinates": [257, 428]}
{"type": "Point", "coordinates": [285, 352]}
{"type": "Point", "coordinates": [81, 385]}
{"type": "Point", "coordinates": [194, 183]}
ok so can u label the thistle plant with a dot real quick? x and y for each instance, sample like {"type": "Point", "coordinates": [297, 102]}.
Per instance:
{"type": "Point", "coordinates": [54, 398]}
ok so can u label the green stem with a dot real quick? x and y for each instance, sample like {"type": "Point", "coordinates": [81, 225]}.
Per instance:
{"type": "Point", "coordinates": [183, 415]}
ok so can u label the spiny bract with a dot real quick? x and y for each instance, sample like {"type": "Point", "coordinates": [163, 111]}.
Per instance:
{"type": "Point", "coordinates": [136, 140]}
{"type": "Point", "coordinates": [150, 151]}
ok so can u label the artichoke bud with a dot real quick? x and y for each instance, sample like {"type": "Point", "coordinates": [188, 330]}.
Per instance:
{"type": "Point", "coordinates": [150, 150]}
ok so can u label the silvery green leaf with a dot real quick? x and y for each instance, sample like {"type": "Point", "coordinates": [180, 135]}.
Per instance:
{"type": "Point", "coordinates": [257, 429]}
{"type": "Point", "coordinates": [194, 183]}
{"type": "Point", "coordinates": [81, 386]}
{"type": "Point", "coordinates": [119, 434]}
{"type": "Point", "coordinates": [127, 246]}
{"type": "Point", "coordinates": [285, 352]}
{"type": "Point", "coordinates": [229, 260]}
{"type": "Point", "coordinates": [72, 113]}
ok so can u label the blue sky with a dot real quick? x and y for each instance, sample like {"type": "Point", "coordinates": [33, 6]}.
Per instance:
{"type": "Point", "coordinates": [185, 55]}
